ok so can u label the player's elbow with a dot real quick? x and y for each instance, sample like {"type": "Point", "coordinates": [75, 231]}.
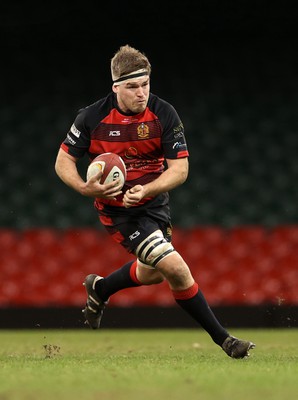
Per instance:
{"type": "Point", "coordinates": [183, 176]}
{"type": "Point", "coordinates": [179, 169]}
{"type": "Point", "coordinates": [64, 163]}
{"type": "Point", "coordinates": [180, 177]}
{"type": "Point", "coordinates": [58, 168]}
{"type": "Point", "coordinates": [184, 173]}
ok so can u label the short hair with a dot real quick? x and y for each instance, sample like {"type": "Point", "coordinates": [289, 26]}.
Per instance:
{"type": "Point", "coordinates": [127, 60]}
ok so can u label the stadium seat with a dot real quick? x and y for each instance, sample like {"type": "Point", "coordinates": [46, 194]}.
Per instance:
{"type": "Point", "coordinates": [239, 265]}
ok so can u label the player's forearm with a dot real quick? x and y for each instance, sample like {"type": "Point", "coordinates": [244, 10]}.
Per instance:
{"type": "Point", "coordinates": [172, 177]}
{"type": "Point", "coordinates": [66, 169]}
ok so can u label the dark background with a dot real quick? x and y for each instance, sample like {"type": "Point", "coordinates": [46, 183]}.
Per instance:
{"type": "Point", "coordinates": [228, 67]}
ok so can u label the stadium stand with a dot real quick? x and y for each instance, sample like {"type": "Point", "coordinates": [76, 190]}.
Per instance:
{"type": "Point", "coordinates": [243, 265]}
{"type": "Point", "coordinates": [239, 226]}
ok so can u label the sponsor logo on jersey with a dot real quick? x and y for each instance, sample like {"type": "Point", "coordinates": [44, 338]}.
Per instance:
{"type": "Point", "coordinates": [178, 145]}
{"type": "Point", "coordinates": [129, 120]}
{"type": "Point", "coordinates": [131, 152]}
{"type": "Point", "coordinates": [179, 128]}
{"type": "Point", "coordinates": [143, 131]}
{"type": "Point", "coordinates": [70, 139]}
{"type": "Point", "coordinates": [169, 232]}
{"type": "Point", "coordinates": [75, 131]}
{"type": "Point", "coordinates": [114, 133]}
{"type": "Point", "coordinates": [134, 235]}
{"type": "Point", "coordinates": [178, 135]}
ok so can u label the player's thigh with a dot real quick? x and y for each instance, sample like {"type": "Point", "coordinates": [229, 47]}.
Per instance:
{"type": "Point", "coordinates": [130, 233]}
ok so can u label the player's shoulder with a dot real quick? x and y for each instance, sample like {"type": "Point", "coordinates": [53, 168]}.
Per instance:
{"type": "Point", "coordinates": [156, 103]}
{"type": "Point", "coordinates": [164, 111]}
{"type": "Point", "coordinates": [90, 115]}
{"type": "Point", "coordinates": [99, 106]}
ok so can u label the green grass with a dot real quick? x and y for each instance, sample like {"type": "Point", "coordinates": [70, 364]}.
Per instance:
{"type": "Point", "coordinates": [145, 364]}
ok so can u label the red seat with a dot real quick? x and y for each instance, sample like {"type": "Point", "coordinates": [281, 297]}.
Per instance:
{"type": "Point", "coordinates": [250, 234]}
{"type": "Point", "coordinates": [244, 240]}
{"type": "Point", "coordinates": [244, 265]}
{"type": "Point", "coordinates": [42, 237]}
{"type": "Point", "coordinates": [83, 237]}
{"type": "Point", "coordinates": [210, 235]}
{"type": "Point", "coordinates": [286, 233]}
{"type": "Point", "coordinates": [8, 239]}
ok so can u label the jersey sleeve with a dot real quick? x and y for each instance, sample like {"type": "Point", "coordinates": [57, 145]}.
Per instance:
{"type": "Point", "coordinates": [77, 140]}
{"type": "Point", "coordinates": [173, 138]}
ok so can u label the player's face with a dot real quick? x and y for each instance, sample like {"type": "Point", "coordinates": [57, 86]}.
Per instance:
{"type": "Point", "coordinates": [132, 96]}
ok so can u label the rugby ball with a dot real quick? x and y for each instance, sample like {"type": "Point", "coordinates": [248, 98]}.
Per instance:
{"type": "Point", "coordinates": [111, 165]}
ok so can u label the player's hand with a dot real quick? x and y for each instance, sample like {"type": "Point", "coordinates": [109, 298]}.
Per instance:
{"type": "Point", "coordinates": [133, 195]}
{"type": "Point", "coordinates": [108, 191]}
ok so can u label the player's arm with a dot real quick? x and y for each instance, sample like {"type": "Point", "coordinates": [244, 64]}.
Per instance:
{"type": "Point", "coordinates": [175, 174]}
{"type": "Point", "coordinates": [66, 169]}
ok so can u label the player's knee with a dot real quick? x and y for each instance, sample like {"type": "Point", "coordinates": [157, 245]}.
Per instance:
{"type": "Point", "coordinates": [176, 271]}
{"type": "Point", "coordinates": [154, 279]}
{"type": "Point", "coordinates": [154, 249]}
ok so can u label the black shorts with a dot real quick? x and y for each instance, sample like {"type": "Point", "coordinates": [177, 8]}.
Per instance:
{"type": "Point", "coordinates": [130, 226]}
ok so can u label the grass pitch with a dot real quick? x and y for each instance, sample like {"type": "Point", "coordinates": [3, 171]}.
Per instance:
{"type": "Point", "coordinates": [145, 364]}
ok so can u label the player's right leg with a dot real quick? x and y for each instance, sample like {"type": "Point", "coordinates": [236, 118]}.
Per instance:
{"type": "Point", "coordinates": [95, 306]}
{"type": "Point", "coordinates": [99, 289]}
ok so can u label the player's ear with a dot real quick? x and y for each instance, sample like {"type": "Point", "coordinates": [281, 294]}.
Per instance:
{"type": "Point", "coordinates": [115, 88]}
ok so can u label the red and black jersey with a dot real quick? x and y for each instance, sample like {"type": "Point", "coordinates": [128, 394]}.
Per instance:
{"type": "Point", "coordinates": [143, 140]}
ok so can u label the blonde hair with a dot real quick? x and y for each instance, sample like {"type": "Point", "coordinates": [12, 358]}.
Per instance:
{"type": "Point", "coordinates": [128, 60]}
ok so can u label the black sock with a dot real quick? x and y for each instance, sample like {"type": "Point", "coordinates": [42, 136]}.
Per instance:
{"type": "Point", "coordinates": [199, 309]}
{"type": "Point", "coordinates": [122, 278]}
